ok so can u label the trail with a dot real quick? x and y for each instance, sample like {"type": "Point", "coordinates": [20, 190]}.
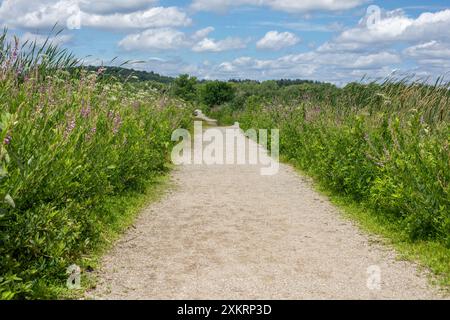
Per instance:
{"type": "Point", "coordinates": [227, 232]}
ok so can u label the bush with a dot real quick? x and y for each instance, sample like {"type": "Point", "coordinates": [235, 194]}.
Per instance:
{"type": "Point", "coordinates": [215, 93]}
{"type": "Point", "coordinates": [68, 144]}
{"type": "Point", "coordinates": [185, 87]}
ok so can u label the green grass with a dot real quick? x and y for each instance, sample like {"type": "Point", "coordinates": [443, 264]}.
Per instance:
{"type": "Point", "coordinates": [430, 255]}
{"type": "Point", "coordinates": [76, 152]}
{"type": "Point", "coordinates": [123, 209]}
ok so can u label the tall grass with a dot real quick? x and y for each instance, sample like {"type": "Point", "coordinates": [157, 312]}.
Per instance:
{"type": "Point", "coordinates": [385, 145]}
{"type": "Point", "coordinates": [68, 144]}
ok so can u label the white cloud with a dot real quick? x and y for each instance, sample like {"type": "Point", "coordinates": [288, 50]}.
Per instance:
{"type": "Point", "coordinates": [396, 26]}
{"type": "Point", "coordinates": [431, 55]}
{"type": "Point", "coordinates": [281, 5]}
{"type": "Point", "coordinates": [313, 5]}
{"type": "Point", "coordinates": [274, 40]}
{"type": "Point", "coordinates": [430, 50]}
{"type": "Point", "coordinates": [202, 33]}
{"type": "Point", "coordinates": [45, 13]}
{"type": "Point", "coordinates": [151, 18]}
{"type": "Point", "coordinates": [212, 45]}
{"type": "Point", "coordinates": [35, 14]}
{"type": "Point", "coordinates": [332, 67]}
{"type": "Point", "coordinates": [41, 39]}
{"type": "Point", "coordinates": [115, 6]}
{"type": "Point", "coordinates": [154, 39]}
{"type": "Point", "coordinates": [158, 39]}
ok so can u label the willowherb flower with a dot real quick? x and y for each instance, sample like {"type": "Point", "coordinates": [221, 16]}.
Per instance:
{"type": "Point", "coordinates": [7, 140]}
{"type": "Point", "coordinates": [117, 124]}
{"type": "Point", "coordinates": [110, 114]}
{"type": "Point", "coordinates": [101, 70]}
{"type": "Point", "coordinates": [85, 112]}
{"type": "Point", "coordinates": [91, 133]}
{"type": "Point", "coordinates": [70, 127]}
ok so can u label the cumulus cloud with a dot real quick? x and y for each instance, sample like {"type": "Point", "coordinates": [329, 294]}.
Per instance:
{"type": "Point", "coordinates": [431, 49]}
{"type": "Point", "coordinates": [100, 14]}
{"type": "Point", "coordinates": [281, 5]}
{"type": "Point", "coordinates": [158, 39]}
{"type": "Point", "coordinates": [397, 26]}
{"type": "Point", "coordinates": [115, 6]}
{"type": "Point", "coordinates": [333, 67]}
{"type": "Point", "coordinates": [274, 40]}
{"type": "Point", "coordinates": [431, 55]}
{"type": "Point", "coordinates": [151, 18]}
{"type": "Point", "coordinates": [35, 14]}
{"type": "Point", "coordinates": [154, 39]}
{"type": "Point", "coordinates": [202, 33]}
{"type": "Point", "coordinates": [212, 45]}
{"type": "Point", "coordinates": [40, 39]}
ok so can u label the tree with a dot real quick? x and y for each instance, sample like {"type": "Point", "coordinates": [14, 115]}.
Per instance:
{"type": "Point", "coordinates": [185, 87]}
{"type": "Point", "coordinates": [215, 93]}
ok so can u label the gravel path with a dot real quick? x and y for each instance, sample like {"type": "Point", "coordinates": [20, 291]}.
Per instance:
{"type": "Point", "coordinates": [227, 232]}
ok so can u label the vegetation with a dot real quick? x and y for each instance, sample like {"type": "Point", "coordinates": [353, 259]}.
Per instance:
{"type": "Point", "coordinates": [129, 75]}
{"type": "Point", "coordinates": [215, 93]}
{"type": "Point", "coordinates": [80, 148]}
{"type": "Point", "coordinates": [74, 147]}
{"type": "Point", "coordinates": [383, 146]}
{"type": "Point", "coordinates": [185, 87]}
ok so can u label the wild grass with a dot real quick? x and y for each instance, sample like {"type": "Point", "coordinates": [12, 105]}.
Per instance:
{"type": "Point", "coordinates": [383, 146]}
{"type": "Point", "coordinates": [69, 145]}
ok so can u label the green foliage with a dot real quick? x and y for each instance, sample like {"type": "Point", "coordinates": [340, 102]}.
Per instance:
{"type": "Point", "coordinates": [68, 144]}
{"type": "Point", "coordinates": [128, 75]}
{"type": "Point", "coordinates": [385, 145]}
{"type": "Point", "coordinates": [216, 93]}
{"type": "Point", "coordinates": [185, 87]}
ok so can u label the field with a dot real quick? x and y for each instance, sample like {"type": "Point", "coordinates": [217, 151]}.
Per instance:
{"type": "Point", "coordinates": [76, 151]}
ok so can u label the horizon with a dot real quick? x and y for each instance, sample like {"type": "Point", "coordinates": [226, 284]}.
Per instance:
{"type": "Point", "coordinates": [334, 42]}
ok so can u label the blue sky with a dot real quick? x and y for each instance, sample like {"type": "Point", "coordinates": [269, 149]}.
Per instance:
{"type": "Point", "coordinates": [327, 40]}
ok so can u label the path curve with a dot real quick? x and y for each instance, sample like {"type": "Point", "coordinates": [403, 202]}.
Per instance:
{"type": "Point", "coordinates": [227, 232]}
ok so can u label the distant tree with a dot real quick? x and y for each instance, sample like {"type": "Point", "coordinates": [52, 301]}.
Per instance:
{"type": "Point", "coordinates": [215, 93]}
{"type": "Point", "coordinates": [185, 87]}
{"type": "Point", "coordinates": [128, 75]}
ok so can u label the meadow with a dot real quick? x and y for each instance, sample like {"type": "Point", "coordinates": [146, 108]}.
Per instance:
{"type": "Point", "coordinates": [380, 149]}
{"type": "Point", "coordinates": [81, 148]}
{"type": "Point", "coordinates": [77, 149]}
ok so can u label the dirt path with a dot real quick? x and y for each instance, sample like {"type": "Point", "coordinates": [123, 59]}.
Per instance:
{"type": "Point", "coordinates": [226, 232]}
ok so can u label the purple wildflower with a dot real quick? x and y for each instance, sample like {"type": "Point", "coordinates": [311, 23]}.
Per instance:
{"type": "Point", "coordinates": [91, 133]}
{"type": "Point", "coordinates": [110, 114]}
{"type": "Point", "coordinates": [117, 124]}
{"type": "Point", "coordinates": [7, 140]}
{"type": "Point", "coordinates": [85, 112]}
{"type": "Point", "coordinates": [71, 125]}
{"type": "Point", "coordinates": [101, 70]}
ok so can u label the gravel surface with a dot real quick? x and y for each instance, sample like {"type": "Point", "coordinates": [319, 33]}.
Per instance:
{"type": "Point", "coordinates": [227, 232]}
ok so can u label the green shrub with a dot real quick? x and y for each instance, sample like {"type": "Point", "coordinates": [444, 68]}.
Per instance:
{"type": "Point", "coordinates": [385, 145]}
{"type": "Point", "coordinates": [68, 144]}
